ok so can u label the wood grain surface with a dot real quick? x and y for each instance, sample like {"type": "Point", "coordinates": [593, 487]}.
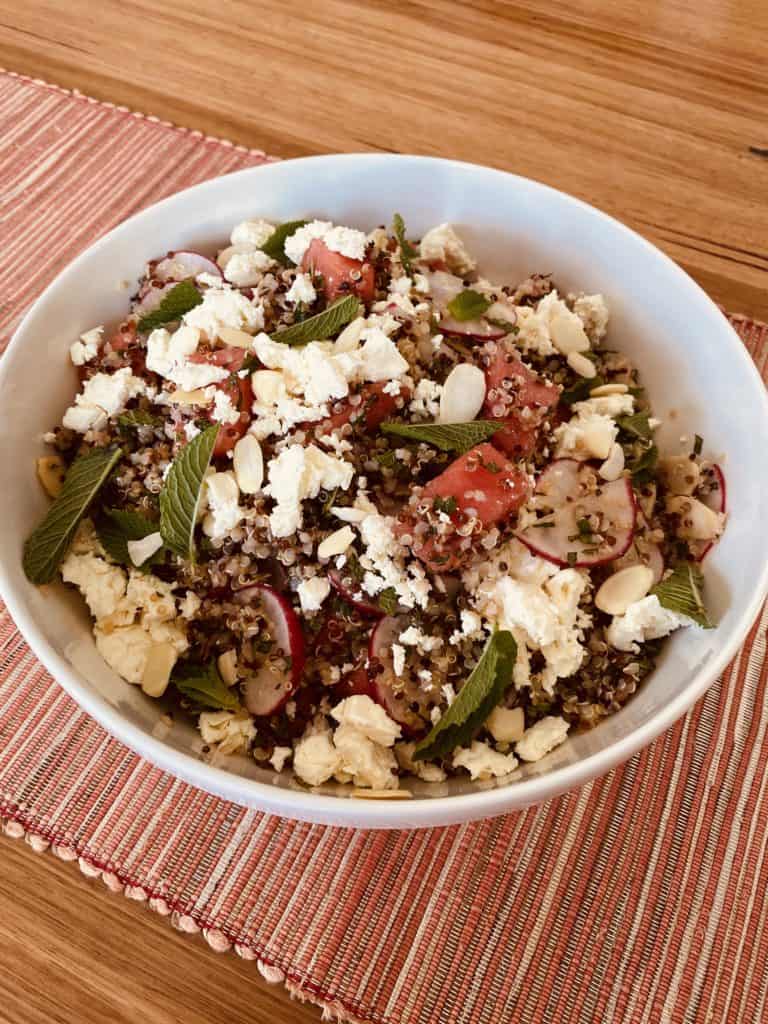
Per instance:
{"type": "Point", "coordinates": [654, 111]}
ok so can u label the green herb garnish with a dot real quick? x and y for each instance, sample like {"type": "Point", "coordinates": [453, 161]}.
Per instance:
{"type": "Point", "coordinates": [321, 325]}
{"type": "Point", "coordinates": [447, 505]}
{"type": "Point", "coordinates": [47, 545]}
{"type": "Point", "coordinates": [448, 437]}
{"type": "Point", "coordinates": [698, 444]}
{"type": "Point", "coordinates": [138, 418]}
{"type": "Point", "coordinates": [637, 426]}
{"type": "Point", "coordinates": [203, 685]}
{"type": "Point", "coordinates": [572, 558]}
{"type": "Point", "coordinates": [181, 493]}
{"type": "Point", "coordinates": [480, 694]}
{"type": "Point", "coordinates": [408, 252]}
{"type": "Point", "coordinates": [116, 526]}
{"type": "Point", "coordinates": [388, 601]}
{"type": "Point", "coordinates": [274, 246]}
{"type": "Point", "coordinates": [503, 325]}
{"type": "Point", "coordinates": [681, 592]}
{"type": "Point", "coordinates": [468, 305]}
{"type": "Point", "coordinates": [580, 391]}
{"type": "Point", "coordinates": [173, 305]}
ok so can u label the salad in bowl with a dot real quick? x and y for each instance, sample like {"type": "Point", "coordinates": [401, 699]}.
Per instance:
{"type": "Point", "coordinates": [366, 515]}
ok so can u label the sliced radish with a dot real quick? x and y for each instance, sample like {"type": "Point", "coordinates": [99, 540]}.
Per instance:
{"type": "Point", "coordinates": [270, 685]}
{"type": "Point", "coordinates": [396, 694]}
{"type": "Point", "coordinates": [344, 588]}
{"type": "Point", "coordinates": [712, 493]}
{"type": "Point", "coordinates": [444, 287]}
{"type": "Point", "coordinates": [642, 551]}
{"type": "Point", "coordinates": [178, 266]}
{"type": "Point", "coordinates": [570, 493]}
{"type": "Point", "coordinates": [151, 299]}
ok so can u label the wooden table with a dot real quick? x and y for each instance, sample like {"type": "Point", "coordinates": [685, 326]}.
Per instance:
{"type": "Point", "coordinates": [655, 112]}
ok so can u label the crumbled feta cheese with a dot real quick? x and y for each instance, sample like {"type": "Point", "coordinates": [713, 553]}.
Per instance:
{"type": "Point", "coordinates": [298, 243]}
{"type": "Point", "coordinates": [392, 387]}
{"type": "Point", "coordinates": [231, 731]}
{"type": "Point", "coordinates": [348, 242]}
{"type": "Point", "coordinates": [541, 737]}
{"type": "Point", "coordinates": [370, 764]}
{"type": "Point", "coordinates": [245, 269]}
{"type": "Point", "coordinates": [279, 756]}
{"type": "Point", "coordinates": [191, 430]}
{"type": "Point", "coordinates": [252, 233]}
{"type": "Point", "coordinates": [379, 358]}
{"type": "Point", "coordinates": [313, 592]}
{"type": "Point", "coordinates": [297, 473]}
{"type": "Point", "coordinates": [594, 315]}
{"type": "Point", "coordinates": [302, 290]}
{"type": "Point", "coordinates": [125, 650]}
{"type": "Point", "coordinates": [426, 398]}
{"type": "Point", "coordinates": [613, 406]}
{"type": "Point", "coordinates": [586, 436]}
{"type": "Point", "coordinates": [190, 605]}
{"type": "Point", "coordinates": [442, 244]}
{"type": "Point", "coordinates": [225, 307]}
{"type": "Point", "coordinates": [385, 563]}
{"type": "Point", "coordinates": [398, 659]}
{"type": "Point", "coordinates": [103, 395]}
{"type": "Point", "coordinates": [101, 584]}
{"type": "Point", "coordinates": [223, 409]}
{"type": "Point", "coordinates": [368, 717]}
{"type": "Point", "coordinates": [87, 348]}
{"type": "Point", "coordinates": [315, 759]}
{"type": "Point", "coordinates": [222, 495]}
{"type": "Point", "coordinates": [483, 762]}
{"type": "Point", "coordinates": [644, 620]}
{"type": "Point", "coordinates": [414, 637]}
{"type": "Point", "coordinates": [140, 550]}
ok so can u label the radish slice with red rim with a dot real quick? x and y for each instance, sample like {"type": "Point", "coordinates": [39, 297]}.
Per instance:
{"type": "Point", "coordinates": [712, 493]}
{"type": "Point", "coordinates": [178, 266]}
{"type": "Point", "coordinates": [345, 587]}
{"type": "Point", "coordinates": [444, 287]}
{"type": "Point", "coordinates": [642, 551]}
{"type": "Point", "coordinates": [272, 682]}
{"type": "Point", "coordinates": [151, 299]}
{"type": "Point", "coordinates": [402, 697]}
{"type": "Point", "coordinates": [586, 521]}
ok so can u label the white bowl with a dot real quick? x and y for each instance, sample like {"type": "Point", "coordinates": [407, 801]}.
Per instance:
{"type": "Point", "coordinates": [698, 374]}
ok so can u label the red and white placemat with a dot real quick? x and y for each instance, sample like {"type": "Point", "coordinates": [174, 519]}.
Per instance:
{"type": "Point", "coordinates": [640, 897]}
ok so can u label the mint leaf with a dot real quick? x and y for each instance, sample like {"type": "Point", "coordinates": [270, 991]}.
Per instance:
{"type": "Point", "coordinates": [138, 418]}
{"type": "Point", "coordinates": [681, 592]}
{"type": "Point", "coordinates": [203, 685]}
{"type": "Point", "coordinates": [180, 496]}
{"type": "Point", "coordinates": [47, 545]}
{"type": "Point", "coordinates": [408, 252]}
{"type": "Point", "coordinates": [468, 305]}
{"type": "Point", "coordinates": [274, 246]}
{"type": "Point", "coordinates": [449, 437]}
{"type": "Point", "coordinates": [116, 526]}
{"type": "Point", "coordinates": [637, 426]}
{"type": "Point", "coordinates": [476, 700]}
{"type": "Point", "coordinates": [174, 304]}
{"type": "Point", "coordinates": [388, 601]}
{"type": "Point", "coordinates": [581, 390]}
{"type": "Point", "coordinates": [321, 325]}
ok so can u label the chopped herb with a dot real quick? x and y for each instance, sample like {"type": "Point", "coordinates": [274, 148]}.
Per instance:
{"type": "Point", "coordinates": [388, 601]}
{"type": "Point", "coordinates": [203, 685]}
{"type": "Point", "coordinates": [47, 545]}
{"type": "Point", "coordinates": [492, 467]}
{"type": "Point", "coordinates": [572, 558]}
{"type": "Point", "coordinates": [698, 444]}
{"type": "Point", "coordinates": [543, 526]}
{"type": "Point", "coordinates": [637, 426]}
{"type": "Point", "coordinates": [138, 418]}
{"type": "Point", "coordinates": [321, 325]}
{"type": "Point", "coordinates": [330, 501]}
{"type": "Point", "coordinates": [479, 695]}
{"type": "Point", "coordinates": [503, 325]}
{"type": "Point", "coordinates": [182, 491]}
{"type": "Point", "coordinates": [354, 568]}
{"type": "Point", "coordinates": [274, 246]}
{"type": "Point", "coordinates": [681, 592]}
{"type": "Point", "coordinates": [581, 390]}
{"type": "Point", "coordinates": [468, 305]}
{"type": "Point", "coordinates": [173, 305]}
{"type": "Point", "coordinates": [408, 252]}
{"type": "Point", "coordinates": [447, 505]}
{"type": "Point", "coordinates": [387, 459]}
{"type": "Point", "coordinates": [584, 527]}
{"type": "Point", "coordinates": [449, 437]}
{"type": "Point", "coordinates": [642, 465]}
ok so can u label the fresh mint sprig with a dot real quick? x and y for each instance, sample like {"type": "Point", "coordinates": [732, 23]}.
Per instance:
{"type": "Point", "coordinates": [182, 492]}
{"type": "Point", "coordinates": [448, 437]}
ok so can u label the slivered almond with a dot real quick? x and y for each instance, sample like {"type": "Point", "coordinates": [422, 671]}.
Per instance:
{"type": "Point", "coordinates": [336, 543]}
{"type": "Point", "coordinates": [623, 588]}
{"type": "Point", "coordinates": [196, 397]}
{"type": "Point", "coordinates": [581, 365]}
{"type": "Point", "coordinates": [248, 464]}
{"type": "Point", "coordinates": [463, 394]}
{"type": "Point", "coordinates": [157, 671]}
{"type": "Point", "coordinates": [232, 336]}
{"type": "Point", "coordinates": [51, 471]}
{"type": "Point", "coordinates": [608, 389]}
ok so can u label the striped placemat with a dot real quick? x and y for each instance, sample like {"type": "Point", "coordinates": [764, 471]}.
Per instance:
{"type": "Point", "coordinates": [641, 897]}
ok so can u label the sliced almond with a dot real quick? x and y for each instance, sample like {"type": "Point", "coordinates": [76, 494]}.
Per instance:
{"type": "Point", "coordinates": [598, 438]}
{"type": "Point", "coordinates": [158, 668]}
{"type": "Point", "coordinates": [248, 464]}
{"type": "Point", "coordinates": [608, 389]}
{"type": "Point", "coordinates": [463, 394]}
{"type": "Point", "coordinates": [624, 588]}
{"type": "Point", "coordinates": [227, 666]}
{"type": "Point", "coordinates": [232, 336]}
{"type": "Point", "coordinates": [336, 543]}
{"type": "Point", "coordinates": [581, 365]}
{"type": "Point", "coordinates": [382, 794]}
{"type": "Point", "coordinates": [350, 336]}
{"type": "Point", "coordinates": [506, 725]}
{"type": "Point", "coordinates": [196, 397]}
{"type": "Point", "coordinates": [613, 466]}
{"type": "Point", "coordinates": [695, 520]}
{"type": "Point", "coordinates": [568, 334]}
{"type": "Point", "coordinates": [679, 473]}
{"type": "Point", "coordinates": [51, 471]}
